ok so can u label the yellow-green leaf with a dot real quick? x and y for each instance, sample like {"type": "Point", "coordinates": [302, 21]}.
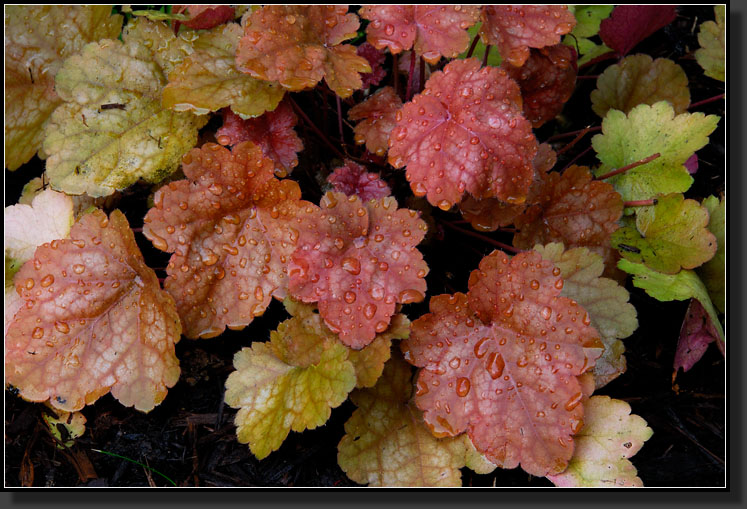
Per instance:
{"type": "Point", "coordinates": [74, 424]}
{"type": "Point", "coordinates": [713, 272]}
{"type": "Point", "coordinates": [588, 18]}
{"type": "Point", "coordinates": [712, 38]}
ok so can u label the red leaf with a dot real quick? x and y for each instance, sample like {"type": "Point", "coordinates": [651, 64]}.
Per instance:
{"type": "Point", "coordinates": [547, 80]}
{"type": "Point", "coordinates": [229, 227]}
{"type": "Point", "coordinates": [95, 320]}
{"type": "Point", "coordinates": [375, 60]}
{"type": "Point", "coordinates": [273, 132]}
{"type": "Point", "coordinates": [465, 132]}
{"type": "Point", "coordinates": [378, 116]}
{"type": "Point", "coordinates": [434, 31]}
{"type": "Point", "coordinates": [696, 334]}
{"type": "Point", "coordinates": [357, 260]}
{"type": "Point", "coordinates": [353, 179]}
{"type": "Point", "coordinates": [204, 17]}
{"type": "Point", "coordinates": [630, 24]}
{"type": "Point", "coordinates": [513, 29]}
{"type": "Point", "coordinates": [502, 362]}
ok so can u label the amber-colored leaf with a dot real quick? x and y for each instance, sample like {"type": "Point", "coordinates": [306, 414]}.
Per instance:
{"type": "Point", "coordinates": [228, 226]}
{"type": "Point", "coordinates": [513, 29]}
{"type": "Point", "coordinates": [377, 116]}
{"type": "Point", "coordinates": [639, 79]}
{"type": "Point", "coordinates": [630, 24]}
{"type": "Point", "coordinates": [95, 320]}
{"type": "Point", "coordinates": [112, 129]}
{"type": "Point", "coordinates": [353, 179]}
{"type": "Point", "coordinates": [610, 436]}
{"type": "Point", "coordinates": [208, 80]}
{"type": "Point", "coordinates": [671, 235]}
{"type": "Point", "coordinates": [712, 39]}
{"type": "Point", "coordinates": [502, 362]}
{"type": "Point", "coordinates": [273, 132]}
{"type": "Point", "coordinates": [547, 80]}
{"type": "Point", "coordinates": [714, 270]}
{"type": "Point", "coordinates": [606, 301]}
{"type": "Point", "coordinates": [358, 260]}
{"type": "Point", "coordinates": [376, 60]}
{"type": "Point", "coordinates": [465, 133]}
{"type": "Point", "coordinates": [297, 46]}
{"type": "Point", "coordinates": [432, 30]}
{"type": "Point", "coordinates": [369, 362]}
{"type": "Point", "coordinates": [38, 38]}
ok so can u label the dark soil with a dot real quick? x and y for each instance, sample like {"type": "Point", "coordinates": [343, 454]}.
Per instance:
{"type": "Point", "coordinates": [191, 439]}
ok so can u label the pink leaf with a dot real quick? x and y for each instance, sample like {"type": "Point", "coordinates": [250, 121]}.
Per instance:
{"type": "Point", "coordinates": [630, 24]}
{"type": "Point", "coordinates": [696, 334]}
{"type": "Point", "coordinates": [692, 164]}
{"type": "Point", "coordinates": [353, 179]}
{"type": "Point", "coordinates": [377, 116]}
{"type": "Point", "coordinates": [375, 60]}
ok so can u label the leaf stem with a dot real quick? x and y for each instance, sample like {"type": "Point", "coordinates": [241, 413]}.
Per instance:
{"type": "Point", "coordinates": [408, 93]}
{"type": "Point", "coordinates": [136, 463]}
{"type": "Point", "coordinates": [395, 69]}
{"type": "Point", "coordinates": [629, 166]}
{"type": "Point", "coordinates": [573, 133]}
{"type": "Point", "coordinates": [574, 141]}
{"type": "Point", "coordinates": [640, 203]}
{"type": "Point", "coordinates": [706, 101]}
{"type": "Point", "coordinates": [339, 120]}
{"type": "Point", "coordinates": [421, 85]}
{"type": "Point", "coordinates": [315, 128]}
{"type": "Point", "coordinates": [485, 56]}
{"type": "Point", "coordinates": [480, 236]}
{"type": "Point", "coordinates": [572, 161]}
{"type": "Point", "coordinates": [473, 45]}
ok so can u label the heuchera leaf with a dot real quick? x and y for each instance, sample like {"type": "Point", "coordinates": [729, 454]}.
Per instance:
{"type": "Point", "coordinates": [605, 300]}
{"type": "Point", "coordinates": [713, 272]}
{"type": "Point", "coordinates": [208, 80]}
{"type": "Point", "coordinates": [432, 30]}
{"type": "Point", "coordinates": [639, 79]}
{"type": "Point", "coordinates": [95, 320]}
{"type": "Point", "coordinates": [712, 38]}
{"type": "Point", "coordinates": [297, 46]}
{"type": "Point", "coordinates": [377, 116]}
{"type": "Point", "coordinates": [376, 60]}
{"type": "Point", "coordinates": [573, 209]}
{"type": "Point", "coordinates": [353, 179]}
{"type": "Point", "coordinates": [81, 202]}
{"type": "Point", "coordinates": [228, 226]}
{"type": "Point", "coordinates": [38, 38]}
{"type": "Point", "coordinates": [669, 236]}
{"type": "Point", "coordinates": [358, 260]}
{"type": "Point", "coordinates": [203, 17]}
{"type": "Point", "coordinates": [502, 362]}
{"type": "Point", "coordinates": [645, 131]}
{"type": "Point", "coordinates": [610, 436]}
{"type": "Point", "coordinates": [665, 287]}
{"type": "Point", "coordinates": [97, 148]}
{"type": "Point", "coordinates": [696, 334]}
{"type": "Point", "coordinates": [630, 24]}
{"type": "Point", "coordinates": [547, 80]}
{"type": "Point", "coordinates": [465, 133]}
{"type": "Point", "coordinates": [513, 29]}
{"type": "Point", "coordinates": [478, 52]}
{"type": "Point", "coordinates": [74, 424]}
{"type": "Point", "coordinates": [273, 132]}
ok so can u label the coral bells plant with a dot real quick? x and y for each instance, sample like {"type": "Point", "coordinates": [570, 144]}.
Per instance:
{"type": "Point", "coordinates": [390, 211]}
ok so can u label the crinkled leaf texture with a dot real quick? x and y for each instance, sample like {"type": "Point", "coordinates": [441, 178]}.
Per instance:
{"type": "Point", "coordinates": [229, 227]}
{"type": "Point", "coordinates": [353, 179]}
{"type": "Point", "coordinates": [96, 148]}
{"type": "Point", "coordinates": [713, 272]}
{"type": "Point", "coordinates": [712, 38]}
{"type": "Point", "coordinates": [297, 46]}
{"type": "Point", "coordinates": [208, 79]}
{"type": "Point", "coordinates": [606, 301]}
{"type": "Point", "coordinates": [610, 436]}
{"type": "Point", "coordinates": [377, 116]}
{"type": "Point", "coordinates": [630, 24]}
{"type": "Point", "coordinates": [432, 30]}
{"type": "Point", "coordinates": [376, 60]}
{"type": "Point", "coordinates": [645, 131]}
{"type": "Point", "coordinates": [273, 132]}
{"type": "Point", "coordinates": [294, 380]}
{"type": "Point", "coordinates": [38, 38]}
{"type": "Point", "coordinates": [465, 133]}
{"type": "Point", "coordinates": [669, 236]}
{"type": "Point", "coordinates": [387, 443]}
{"type": "Point", "coordinates": [95, 320]}
{"type": "Point", "coordinates": [204, 17]}
{"type": "Point", "coordinates": [358, 260]}
{"type": "Point", "coordinates": [697, 332]}
{"type": "Point", "coordinates": [513, 29]}
{"type": "Point", "coordinates": [502, 362]}
{"type": "Point", "coordinates": [639, 79]}
{"type": "Point", "coordinates": [547, 80]}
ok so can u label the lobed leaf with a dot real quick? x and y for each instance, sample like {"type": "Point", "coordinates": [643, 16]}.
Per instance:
{"type": "Point", "coordinates": [74, 424]}
{"type": "Point", "coordinates": [513, 29]}
{"type": "Point", "coordinates": [352, 179]}
{"type": "Point", "coordinates": [630, 24]}
{"type": "Point", "coordinates": [376, 60]}
{"type": "Point", "coordinates": [502, 362]}
{"type": "Point", "coordinates": [645, 131]}
{"type": "Point", "coordinates": [610, 436]}
{"type": "Point", "coordinates": [204, 17]}
{"type": "Point", "coordinates": [297, 46]}
{"type": "Point", "coordinates": [697, 332]}
{"type": "Point", "coordinates": [465, 133]}
{"type": "Point", "coordinates": [112, 129]}
{"type": "Point", "coordinates": [38, 38]}
{"type": "Point", "coordinates": [95, 320]}
{"type": "Point", "coordinates": [229, 227]}
{"type": "Point", "coordinates": [378, 116]}
{"type": "Point", "coordinates": [432, 31]}
{"type": "Point", "coordinates": [713, 272]}
{"type": "Point", "coordinates": [712, 38]}
{"type": "Point", "coordinates": [639, 79]}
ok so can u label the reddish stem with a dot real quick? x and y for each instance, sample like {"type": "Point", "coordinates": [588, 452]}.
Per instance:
{"type": "Point", "coordinates": [573, 133]}
{"type": "Point", "coordinates": [422, 75]}
{"type": "Point", "coordinates": [579, 156]}
{"type": "Point", "coordinates": [339, 120]}
{"type": "Point", "coordinates": [395, 67]}
{"type": "Point", "coordinates": [485, 56]}
{"type": "Point", "coordinates": [315, 128]}
{"type": "Point", "coordinates": [473, 45]}
{"type": "Point", "coordinates": [640, 203]}
{"type": "Point", "coordinates": [484, 238]}
{"type": "Point", "coordinates": [408, 93]}
{"type": "Point", "coordinates": [587, 77]}
{"type": "Point", "coordinates": [706, 101]}
{"type": "Point", "coordinates": [575, 140]}
{"type": "Point", "coordinates": [137, 230]}
{"type": "Point", "coordinates": [629, 167]}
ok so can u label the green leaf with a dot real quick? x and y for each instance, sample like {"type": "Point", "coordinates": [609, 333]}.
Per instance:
{"type": "Point", "coordinates": [712, 38]}
{"type": "Point", "coordinates": [645, 131]}
{"type": "Point", "coordinates": [669, 236]}
{"type": "Point", "coordinates": [588, 18]}
{"type": "Point", "coordinates": [494, 58]}
{"type": "Point", "coordinates": [713, 272]}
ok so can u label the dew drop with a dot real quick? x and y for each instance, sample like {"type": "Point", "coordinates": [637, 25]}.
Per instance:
{"type": "Point", "coordinates": [369, 310]}
{"type": "Point", "coordinates": [481, 347]}
{"type": "Point", "coordinates": [381, 326]}
{"type": "Point", "coordinates": [409, 296]}
{"type": "Point", "coordinates": [351, 265]}
{"type": "Point", "coordinates": [38, 333]}
{"type": "Point", "coordinates": [546, 312]}
{"type": "Point", "coordinates": [455, 363]}
{"type": "Point", "coordinates": [495, 365]}
{"type": "Point", "coordinates": [47, 280]}
{"type": "Point", "coordinates": [62, 327]}
{"type": "Point", "coordinates": [462, 387]}
{"type": "Point", "coordinates": [350, 297]}
{"type": "Point", "coordinates": [573, 402]}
